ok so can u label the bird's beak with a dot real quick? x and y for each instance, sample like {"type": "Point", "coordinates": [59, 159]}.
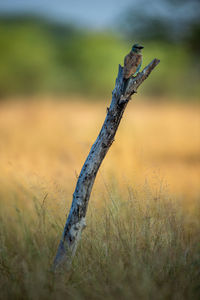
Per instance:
{"type": "Point", "coordinates": [141, 47]}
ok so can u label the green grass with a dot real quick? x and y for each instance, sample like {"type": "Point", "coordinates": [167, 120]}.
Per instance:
{"type": "Point", "coordinates": [140, 246]}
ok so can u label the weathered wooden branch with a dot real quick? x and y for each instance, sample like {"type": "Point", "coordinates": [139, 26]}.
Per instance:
{"type": "Point", "coordinates": [76, 219]}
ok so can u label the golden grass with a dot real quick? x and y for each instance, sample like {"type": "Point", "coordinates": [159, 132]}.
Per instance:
{"type": "Point", "coordinates": [45, 144]}
{"type": "Point", "coordinates": [140, 242]}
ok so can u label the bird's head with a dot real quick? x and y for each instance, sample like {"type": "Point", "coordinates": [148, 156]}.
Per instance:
{"type": "Point", "coordinates": [137, 48]}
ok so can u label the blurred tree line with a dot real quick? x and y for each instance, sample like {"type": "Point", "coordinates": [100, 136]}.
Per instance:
{"type": "Point", "coordinates": [172, 21]}
{"type": "Point", "coordinates": [41, 56]}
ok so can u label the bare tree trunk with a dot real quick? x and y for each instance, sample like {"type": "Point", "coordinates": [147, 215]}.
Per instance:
{"type": "Point", "coordinates": [76, 219]}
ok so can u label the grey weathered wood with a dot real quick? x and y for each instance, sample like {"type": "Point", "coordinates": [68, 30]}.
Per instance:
{"type": "Point", "coordinates": [76, 219]}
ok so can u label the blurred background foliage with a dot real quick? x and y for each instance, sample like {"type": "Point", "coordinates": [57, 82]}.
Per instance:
{"type": "Point", "coordinates": [43, 56]}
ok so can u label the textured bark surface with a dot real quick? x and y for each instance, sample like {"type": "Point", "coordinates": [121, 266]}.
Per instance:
{"type": "Point", "coordinates": [76, 219]}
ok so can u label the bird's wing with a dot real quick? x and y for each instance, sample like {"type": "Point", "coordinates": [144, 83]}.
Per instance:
{"type": "Point", "coordinates": [138, 68]}
{"type": "Point", "coordinates": [127, 66]}
{"type": "Point", "coordinates": [131, 64]}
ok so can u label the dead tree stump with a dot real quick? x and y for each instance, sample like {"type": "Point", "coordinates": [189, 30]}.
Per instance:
{"type": "Point", "coordinates": [75, 222]}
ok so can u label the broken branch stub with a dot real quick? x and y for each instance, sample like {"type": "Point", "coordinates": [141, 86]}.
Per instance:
{"type": "Point", "coordinates": [75, 222]}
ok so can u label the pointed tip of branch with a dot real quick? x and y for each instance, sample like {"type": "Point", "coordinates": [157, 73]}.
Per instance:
{"type": "Point", "coordinates": [119, 78]}
{"type": "Point", "coordinates": [155, 62]}
{"type": "Point", "coordinates": [120, 70]}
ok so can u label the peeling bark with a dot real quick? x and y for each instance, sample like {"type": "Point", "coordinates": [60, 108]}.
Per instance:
{"type": "Point", "coordinates": [76, 219]}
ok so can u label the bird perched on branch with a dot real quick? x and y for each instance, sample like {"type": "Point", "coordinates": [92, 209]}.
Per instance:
{"type": "Point", "coordinates": [132, 61]}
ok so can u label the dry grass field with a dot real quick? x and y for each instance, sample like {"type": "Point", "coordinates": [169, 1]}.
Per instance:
{"type": "Point", "coordinates": [142, 235]}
